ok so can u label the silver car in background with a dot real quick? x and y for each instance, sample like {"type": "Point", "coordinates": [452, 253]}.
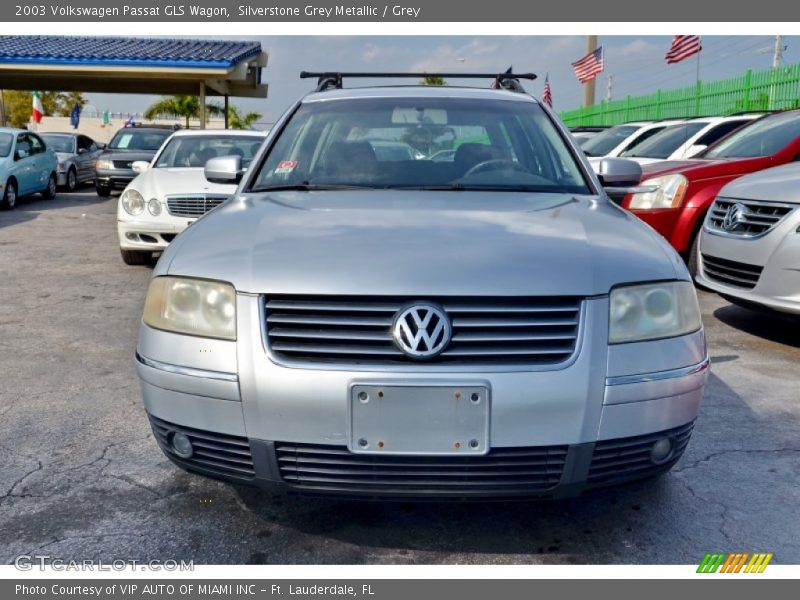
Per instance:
{"type": "Point", "coordinates": [750, 243]}
{"type": "Point", "coordinates": [488, 326]}
{"type": "Point", "coordinates": [76, 155]}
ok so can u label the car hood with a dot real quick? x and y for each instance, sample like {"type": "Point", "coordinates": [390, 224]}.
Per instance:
{"type": "Point", "coordinates": [421, 244]}
{"type": "Point", "coordinates": [779, 184]}
{"type": "Point", "coordinates": [165, 182]}
{"type": "Point", "coordinates": [130, 155]}
{"type": "Point", "coordinates": [697, 169]}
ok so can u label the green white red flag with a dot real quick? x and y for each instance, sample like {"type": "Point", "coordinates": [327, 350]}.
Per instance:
{"type": "Point", "coordinates": [38, 110]}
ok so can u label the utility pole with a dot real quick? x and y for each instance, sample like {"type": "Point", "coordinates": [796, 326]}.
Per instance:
{"type": "Point", "coordinates": [778, 56]}
{"type": "Point", "coordinates": [588, 87]}
{"type": "Point", "coordinates": [609, 87]}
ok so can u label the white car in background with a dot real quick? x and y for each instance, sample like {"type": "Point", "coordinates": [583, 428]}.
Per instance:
{"type": "Point", "coordinates": [171, 192]}
{"type": "Point", "coordinates": [687, 139]}
{"type": "Point", "coordinates": [616, 140]}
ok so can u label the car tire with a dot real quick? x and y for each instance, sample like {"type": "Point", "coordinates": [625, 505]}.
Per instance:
{"type": "Point", "coordinates": [9, 200]}
{"type": "Point", "coordinates": [50, 191]}
{"type": "Point", "coordinates": [136, 257]}
{"type": "Point", "coordinates": [102, 190]}
{"type": "Point", "coordinates": [72, 180]}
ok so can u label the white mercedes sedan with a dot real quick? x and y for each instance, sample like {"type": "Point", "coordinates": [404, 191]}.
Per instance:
{"type": "Point", "coordinates": [171, 192]}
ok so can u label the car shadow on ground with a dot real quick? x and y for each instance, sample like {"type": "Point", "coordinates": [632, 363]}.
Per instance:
{"type": "Point", "coordinates": [774, 327]}
{"type": "Point", "coordinates": [29, 207]}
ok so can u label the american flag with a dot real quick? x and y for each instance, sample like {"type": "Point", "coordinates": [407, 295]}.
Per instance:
{"type": "Point", "coordinates": [683, 46]}
{"type": "Point", "coordinates": [547, 95]}
{"type": "Point", "coordinates": [589, 66]}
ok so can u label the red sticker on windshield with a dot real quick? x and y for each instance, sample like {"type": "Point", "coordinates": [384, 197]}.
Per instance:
{"type": "Point", "coordinates": [285, 166]}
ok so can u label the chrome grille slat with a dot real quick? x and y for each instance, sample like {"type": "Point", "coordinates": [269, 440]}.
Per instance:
{"type": "Point", "coordinates": [760, 218]}
{"type": "Point", "coordinates": [491, 330]}
{"type": "Point", "coordinates": [193, 206]}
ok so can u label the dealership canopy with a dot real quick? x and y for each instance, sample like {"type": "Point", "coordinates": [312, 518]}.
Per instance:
{"type": "Point", "coordinates": [132, 65]}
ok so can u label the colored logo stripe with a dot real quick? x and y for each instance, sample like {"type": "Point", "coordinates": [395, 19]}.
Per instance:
{"type": "Point", "coordinates": [734, 562]}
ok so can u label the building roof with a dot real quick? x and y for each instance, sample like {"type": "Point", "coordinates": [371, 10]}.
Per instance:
{"type": "Point", "coordinates": [132, 65]}
{"type": "Point", "coordinates": [124, 52]}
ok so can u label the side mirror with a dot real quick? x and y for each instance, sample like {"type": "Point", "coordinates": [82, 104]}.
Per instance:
{"type": "Point", "coordinates": [101, 146]}
{"type": "Point", "coordinates": [619, 177]}
{"type": "Point", "coordinates": [140, 166]}
{"type": "Point", "coordinates": [224, 169]}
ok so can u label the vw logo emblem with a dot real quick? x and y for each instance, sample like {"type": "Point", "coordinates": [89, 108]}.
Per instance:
{"type": "Point", "coordinates": [421, 330]}
{"type": "Point", "coordinates": [736, 214]}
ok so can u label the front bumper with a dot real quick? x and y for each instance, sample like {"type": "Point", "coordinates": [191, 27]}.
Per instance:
{"type": "Point", "coordinates": [552, 432]}
{"type": "Point", "coordinates": [778, 285]}
{"type": "Point", "coordinates": [117, 179]}
{"type": "Point", "coordinates": [152, 235]}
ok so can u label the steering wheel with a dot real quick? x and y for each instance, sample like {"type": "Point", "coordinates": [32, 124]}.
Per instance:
{"type": "Point", "coordinates": [493, 164]}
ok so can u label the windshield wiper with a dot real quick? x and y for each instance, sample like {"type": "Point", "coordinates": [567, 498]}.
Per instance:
{"type": "Point", "coordinates": [306, 186]}
{"type": "Point", "coordinates": [461, 187]}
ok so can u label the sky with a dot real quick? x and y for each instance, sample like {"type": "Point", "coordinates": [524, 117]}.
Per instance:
{"type": "Point", "coordinates": [636, 63]}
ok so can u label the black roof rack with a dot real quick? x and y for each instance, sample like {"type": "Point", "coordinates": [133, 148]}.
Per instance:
{"type": "Point", "coordinates": [327, 80]}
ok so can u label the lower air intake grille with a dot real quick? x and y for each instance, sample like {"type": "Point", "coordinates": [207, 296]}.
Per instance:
{"type": "Point", "coordinates": [192, 206]}
{"type": "Point", "coordinates": [214, 453]}
{"type": "Point", "coordinates": [730, 272]}
{"type": "Point", "coordinates": [624, 459]}
{"type": "Point", "coordinates": [485, 330]}
{"type": "Point", "coordinates": [309, 467]}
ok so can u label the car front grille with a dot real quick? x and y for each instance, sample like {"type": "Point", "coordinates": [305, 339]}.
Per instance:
{"type": "Point", "coordinates": [214, 453]}
{"type": "Point", "coordinates": [497, 330]}
{"type": "Point", "coordinates": [731, 272]}
{"type": "Point", "coordinates": [312, 467]}
{"type": "Point", "coordinates": [122, 164]}
{"type": "Point", "coordinates": [757, 217]}
{"type": "Point", "coordinates": [618, 460]}
{"type": "Point", "coordinates": [192, 206]}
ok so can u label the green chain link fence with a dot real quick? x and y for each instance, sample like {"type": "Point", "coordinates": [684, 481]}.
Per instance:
{"type": "Point", "coordinates": [773, 89]}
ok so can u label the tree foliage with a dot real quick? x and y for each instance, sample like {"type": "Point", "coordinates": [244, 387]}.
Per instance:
{"type": "Point", "coordinates": [433, 80]}
{"type": "Point", "coordinates": [18, 105]}
{"type": "Point", "coordinates": [184, 106]}
{"type": "Point", "coordinates": [237, 120]}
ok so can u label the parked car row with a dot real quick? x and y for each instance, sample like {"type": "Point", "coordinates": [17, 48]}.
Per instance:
{"type": "Point", "coordinates": [722, 191]}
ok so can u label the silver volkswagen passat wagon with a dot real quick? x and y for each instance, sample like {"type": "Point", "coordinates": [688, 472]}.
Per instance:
{"type": "Point", "coordinates": [385, 325]}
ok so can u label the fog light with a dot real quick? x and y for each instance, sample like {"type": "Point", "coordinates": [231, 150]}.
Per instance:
{"type": "Point", "coordinates": [132, 236]}
{"type": "Point", "coordinates": [181, 445]}
{"type": "Point", "coordinates": [661, 451]}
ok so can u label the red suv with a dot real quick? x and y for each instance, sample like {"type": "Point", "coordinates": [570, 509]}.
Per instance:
{"type": "Point", "coordinates": [686, 189]}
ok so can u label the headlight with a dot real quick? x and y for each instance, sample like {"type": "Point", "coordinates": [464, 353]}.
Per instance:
{"type": "Point", "coordinates": [154, 207]}
{"type": "Point", "coordinates": [192, 306]}
{"type": "Point", "coordinates": [652, 311]}
{"type": "Point", "coordinates": [104, 165]}
{"type": "Point", "coordinates": [132, 202]}
{"type": "Point", "coordinates": [670, 192]}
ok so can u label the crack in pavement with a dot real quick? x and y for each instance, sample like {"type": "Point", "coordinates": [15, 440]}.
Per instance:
{"type": "Point", "coordinates": [708, 458]}
{"type": "Point", "coordinates": [19, 481]}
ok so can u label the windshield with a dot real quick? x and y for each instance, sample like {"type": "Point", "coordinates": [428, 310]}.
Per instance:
{"type": "Point", "coordinates": [6, 140]}
{"type": "Point", "coordinates": [60, 143]}
{"type": "Point", "coordinates": [666, 141]}
{"type": "Point", "coordinates": [762, 138]}
{"type": "Point", "coordinates": [431, 143]}
{"type": "Point", "coordinates": [131, 138]}
{"type": "Point", "coordinates": [196, 151]}
{"type": "Point", "coordinates": [605, 141]}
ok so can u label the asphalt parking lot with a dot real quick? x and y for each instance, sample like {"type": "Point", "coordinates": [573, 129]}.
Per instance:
{"type": "Point", "coordinates": [82, 478]}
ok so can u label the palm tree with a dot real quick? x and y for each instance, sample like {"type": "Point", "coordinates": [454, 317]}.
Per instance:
{"type": "Point", "coordinates": [181, 105]}
{"type": "Point", "coordinates": [238, 121]}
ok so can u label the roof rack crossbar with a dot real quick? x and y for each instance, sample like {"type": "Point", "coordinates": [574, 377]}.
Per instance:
{"type": "Point", "coordinates": [333, 79]}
